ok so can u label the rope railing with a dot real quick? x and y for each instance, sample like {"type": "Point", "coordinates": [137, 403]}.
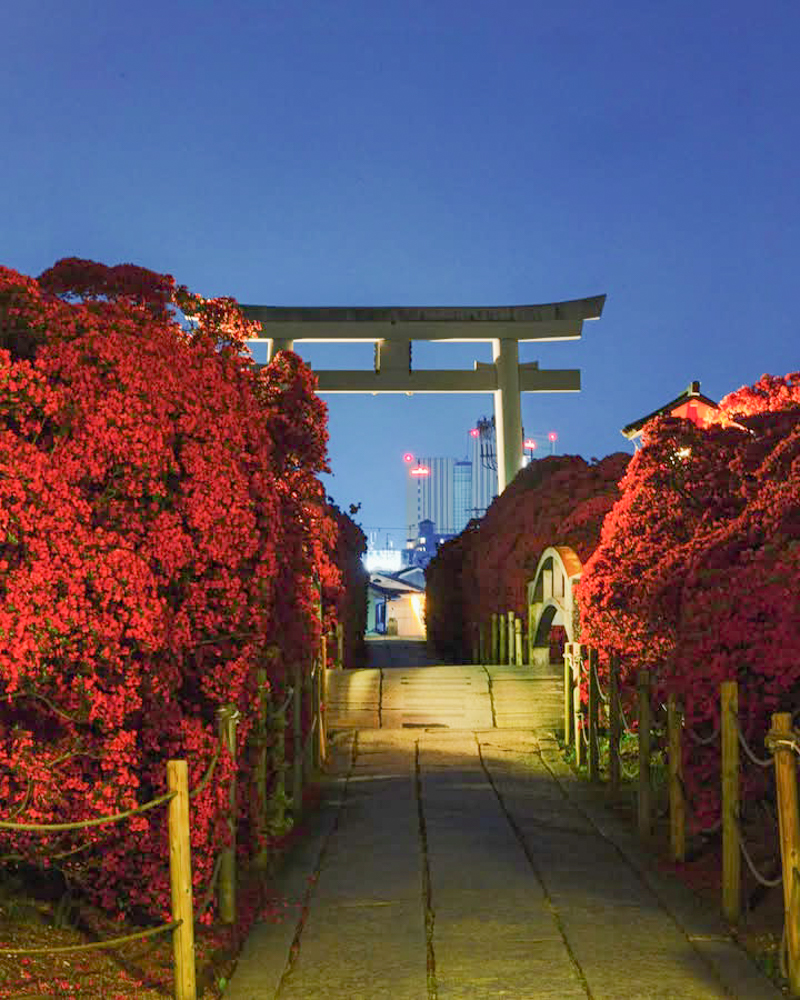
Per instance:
{"type": "Point", "coordinates": [207, 776]}
{"type": "Point", "coordinates": [703, 741]}
{"type": "Point", "coordinates": [728, 735]}
{"type": "Point", "coordinates": [286, 704]}
{"type": "Point", "coordinates": [761, 879]}
{"type": "Point", "coordinates": [221, 880]}
{"type": "Point", "coordinates": [84, 824]}
{"type": "Point", "coordinates": [775, 739]}
{"type": "Point", "coordinates": [758, 761]}
{"type": "Point", "coordinates": [95, 945]}
{"type": "Point", "coordinates": [182, 925]}
{"type": "Point", "coordinates": [603, 695]}
{"type": "Point", "coordinates": [177, 799]}
{"type": "Point", "coordinates": [706, 831]}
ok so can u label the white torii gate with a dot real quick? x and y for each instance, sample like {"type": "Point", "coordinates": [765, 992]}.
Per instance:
{"type": "Point", "coordinates": [393, 329]}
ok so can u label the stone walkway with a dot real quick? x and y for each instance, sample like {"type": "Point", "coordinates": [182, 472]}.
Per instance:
{"type": "Point", "coordinates": [397, 651]}
{"type": "Point", "coordinates": [458, 864]}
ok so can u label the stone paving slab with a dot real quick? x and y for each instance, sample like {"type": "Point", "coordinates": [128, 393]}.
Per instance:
{"type": "Point", "coordinates": [475, 865]}
{"type": "Point", "coordinates": [704, 929]}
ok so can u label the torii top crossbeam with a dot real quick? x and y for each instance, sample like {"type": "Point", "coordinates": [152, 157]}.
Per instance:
{"type": "Point", "coordinates": [394, 328]}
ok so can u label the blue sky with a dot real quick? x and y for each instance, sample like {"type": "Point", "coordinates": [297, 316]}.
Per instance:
{"type": "Point", "coordinates": [396, 152]}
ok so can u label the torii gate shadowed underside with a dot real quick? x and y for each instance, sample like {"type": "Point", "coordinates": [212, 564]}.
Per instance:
{"type": "Point", "coordinates": [393, 329]}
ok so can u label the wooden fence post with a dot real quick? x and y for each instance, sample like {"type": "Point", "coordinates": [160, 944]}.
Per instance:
{"type": "Point", "coordinates": [502, 634]}
{"type": "Point", "coordinates": [180, 881]}
{"type": "Point", "coordinates": [789, 828]}
{"type": "Point", "coordinates": [495, 650]}
{"type": "Point", "coordinates": [309, 702]}
{"type": "Point", "coordinates": [531, 632]}
{"type": "Point", "coordinates": [322, 729]}
{"type": "Point", "coordinates": [277, 802]}
{"type": "Point", "coordinates": [512, 660]}
{"type": "Point", "coordinates": [677, 815]}
{"type": "Point", "coordinates": [577, 672]}
{"type": "Point", "coordinates": [315, 700]}
{"type": "Point", "coordinates": [227, 717]}
{"type": "Point", "coordinates": [614, 724]}
{"type": "Point", "coordinates": [261, 739]}
{"type": "Point", "coordinates": [731, 858]}
{"type": "Point", "coordinates": [518, 641]}
{"type": "Point", "coordinates": [297, 741]}
{"type": "Point", "coordinates": [594, 713]}
{"type": "Point", "coordinates": [644, 797]}
{"type": "Point", "coordinates": [567, 693]}
{"type": "Point", "coordinates": [340, 645]}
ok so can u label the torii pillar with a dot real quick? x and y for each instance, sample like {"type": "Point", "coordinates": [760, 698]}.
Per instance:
{"type": "Point", "coordinates": [393, 329]}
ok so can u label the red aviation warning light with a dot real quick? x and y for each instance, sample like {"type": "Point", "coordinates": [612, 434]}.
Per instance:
{"type": "Point", "coordinates": [474, 433]}
{"type": "Point", "coordinates": [408, 457]}
{"type": "Point", "coordinates": [421, 470]}
{"type": "Point", "coordinates": [529, 444]}
{"type": "Point", "coordinates": [552, 436]}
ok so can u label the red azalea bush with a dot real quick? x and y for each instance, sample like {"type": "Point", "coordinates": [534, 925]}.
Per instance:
{"type": "Point", "coordinates": [348, 598]}
{"type": "Point", "coordinates": [163, 535]}
{"type": "Point", "coordinates": [696, 576]}
{"type": "Point", "coordinates": [558, 500]}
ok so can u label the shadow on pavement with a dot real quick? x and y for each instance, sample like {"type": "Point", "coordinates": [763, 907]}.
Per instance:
{"type": "Point", "coordinates": [385, 652]}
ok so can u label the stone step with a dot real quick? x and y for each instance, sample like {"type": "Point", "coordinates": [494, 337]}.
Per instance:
{"type": "Point", "coordinates": [452, 697]}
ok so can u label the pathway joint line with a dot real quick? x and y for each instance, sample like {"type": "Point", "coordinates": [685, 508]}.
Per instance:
{"type": "Point", "coordinates": [491, 695]}
{"type": "Point", "coordinates": [695, 940]}
{"type": "Point", "coordinates": [427, 897]}
{"type": "Point", "coordinates": [551, 906]}
{"type": "Point", "coordinates": [294, 948]}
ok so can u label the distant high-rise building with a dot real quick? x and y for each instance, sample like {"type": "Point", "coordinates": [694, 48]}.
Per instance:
{"type": "Point", "coordinates": [448, 491]}
{"type": "Point", "coordinates": [429, 495]}
{"type": "Point", "coordinates": [484, 467]}
{"type": "Point", "coordinates": [462, 494]}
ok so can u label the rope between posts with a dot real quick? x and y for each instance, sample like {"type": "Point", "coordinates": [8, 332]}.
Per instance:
{"type": "Point", "coordinates": [769, 883]}
{"type": "Point", "coordinates": [100, 821]}
{"type": "Point", "coordinates": [286, 704]}
{"type": "Point", "coordinates": [623, 718]}
{"type": "Point", "coordinates": [706, 830]}
{"type": "Point", "coordinates": [603, 697]}
{"type": "Point", "coordinates": [760, 761]}
{"type": "Point", "coordinates": [311, 732]}
{"type": "Point", "coordinates": [207, 776]}
{"type": "Point", "coordinates": [94, 945]}
{"type": "Point", "coordinates": [703, 741]}
{"type": "Point", "coordinates": [206, 900]}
